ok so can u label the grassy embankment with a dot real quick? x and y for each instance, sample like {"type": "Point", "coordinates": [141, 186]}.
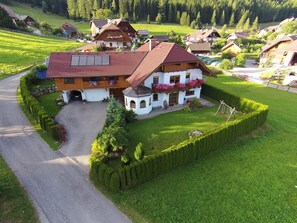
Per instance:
{"type": "Point", "coordinates": [15, 205]}
{"type": "Point", "coordinates": [19, 51]}
{"type": "Point", "coordinates": [251, 180]}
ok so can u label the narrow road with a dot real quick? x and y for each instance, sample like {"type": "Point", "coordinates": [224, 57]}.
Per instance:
{"type": "Point", "coordinates": [59, 188]}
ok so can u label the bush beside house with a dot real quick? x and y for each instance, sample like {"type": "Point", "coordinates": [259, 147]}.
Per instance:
{"type": "Point", "coordinates": [192, 149]}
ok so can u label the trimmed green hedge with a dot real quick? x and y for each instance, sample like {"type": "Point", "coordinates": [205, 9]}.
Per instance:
{"type": "Point", "coordinates": [38, 112]}
{"type": "Point", "coordinates": [187, 151]}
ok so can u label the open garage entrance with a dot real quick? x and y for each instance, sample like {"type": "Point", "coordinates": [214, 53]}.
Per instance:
{"type": "Point", "coordinates": [75, 95]}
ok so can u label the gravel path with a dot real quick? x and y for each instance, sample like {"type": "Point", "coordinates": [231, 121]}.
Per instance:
{"type": "Point", "coordinates": [59, 188]}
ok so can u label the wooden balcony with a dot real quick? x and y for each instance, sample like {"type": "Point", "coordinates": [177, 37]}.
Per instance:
{"type": "Point", "coordinates": [112, 84]}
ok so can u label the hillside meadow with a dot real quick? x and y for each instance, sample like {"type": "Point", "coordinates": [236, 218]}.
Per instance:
{"type": "Point", "coordinates": [250, 180]}
{"type": "Point", "coordinates": [18, 50]}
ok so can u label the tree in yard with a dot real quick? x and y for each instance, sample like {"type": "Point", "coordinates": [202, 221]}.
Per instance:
{"type": "Point", "coordinates": [139, 153]}
{"type": "Point", "coordinates": [148, 20]}
{"type": "Point", "coordinates": [193, 24]}
{"type": "Point", "coordinates": [246, 25]}
{"type": "Point", "coordinates": [178, 16]}
{"type": "Point", "coordinates": [255, 25]}
{"type": "Point", "coordinates": [223, 31]}
{"type": "Point", "coordinates": [213, 18]}
{"type": "Point", "coordinates": [95, 4]}
{"type": "Point", "coordinates": [5, 20]}
{"type": "Point", "coordinates": [159, 18]}
{"type": "Point", "coordinates": [184, 19]}
{"type": "Point", "coordinates": [231, 22]}
{"type": "Point", "coordinates": [242, 21]}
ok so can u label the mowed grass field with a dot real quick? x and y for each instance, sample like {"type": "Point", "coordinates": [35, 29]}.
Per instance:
{"type": "Point", "coordinates": [163, 29]}
{"type": "Point", "coordinates": [52, 19]}
{"type": "Point", "coordinates": [18, 49]}
{"type": "Point", "coordinates": [15, 206]}
{"type": "Point", "coordinates": [252, 180]}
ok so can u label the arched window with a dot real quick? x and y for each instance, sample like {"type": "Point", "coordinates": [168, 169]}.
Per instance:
{"type": "Point", "coordinates": [132, 104]}
{"type": "Point", "coordinates": [142, 104]}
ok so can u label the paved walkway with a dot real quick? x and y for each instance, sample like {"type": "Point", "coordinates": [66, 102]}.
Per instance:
{"type": "Point", "coordinates": [58, 187]}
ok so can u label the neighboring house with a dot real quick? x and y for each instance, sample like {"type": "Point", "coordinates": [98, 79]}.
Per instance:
{"type": "Point", "coordinates": [232, 48]}
{"type": "Point", "coordinates": [201, 36]}
{"type": "Point", "coordinates": [286, 55]}
{"type": "Point", "coordinates": [199, 48]}
{"type": "Point", "coordinates": [270, 29]}
{"type": "Point", "coordinates": [112, 37]}
{"type": "Point", "coordinates": [237, 35]}
{"type": "Point", "coordinates": [68, 30]}
{"type": "Point", "coordinates": [11, 13]}
{"type": "Point", "coordinates": [28, 20]}
{"type": "Point", "coordinates": [160, 38]}
{"type": "Point", "coordinates": [96, 25]}
{"type": "Point", "coordinates": [156, 75]}
{"type": "Point", "coordinates": [268, 51]}
{"type": "Point", "coordinates": [143, 33]}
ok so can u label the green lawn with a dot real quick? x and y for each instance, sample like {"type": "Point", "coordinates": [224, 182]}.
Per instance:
{"type": "Point", "coordinates": [251, 180]}
{"type": "Point", "coordinates": [15, 205]}
{"type": "Point", "coordinates": [163, 29]}
{"type": "Point", "coordinates": [172, 128]}
{"type": "Point", "coordinates": [48, 102]}
{"type": "Point", "coordinates": [54, 20]}
{"type": "Point", "coordinates": [19, 50]}
{"type": "Point", "coordinates": [43, 84]}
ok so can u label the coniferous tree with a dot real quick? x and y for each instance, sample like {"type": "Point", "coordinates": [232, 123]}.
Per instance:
{"type": "Point", "coordinates": [231, 22]}
{"type": "Point", "coordinates": [246, 25]}
{"type": "Point", "coordinates": [184, 19]}
{"type": "Point", "coordinates": [255, 25]}
{"type": "Point", "coordinates": [159, 18]}
{"type": "Point", "coordinates": [198, 20]}
{"type": "Point", "coordinates": [178, 16]}
{"type": "Point", "coordinates": [71, 8]}
{"type": "Point", "coordinates": [148, 20]}
{"type": "Point", "coordinates": [242, 21]}
{"type": "Point", "coordinates": [213, 18]}
{"type": "Point", "coordinates": [95, 5]}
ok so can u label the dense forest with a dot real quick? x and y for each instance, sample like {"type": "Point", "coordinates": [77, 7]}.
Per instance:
{"type": "Point", "coordinates": [202, 11]}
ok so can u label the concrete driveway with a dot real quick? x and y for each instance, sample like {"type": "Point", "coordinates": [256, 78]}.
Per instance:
{"type": "Point", "coordinates": [58, 187]}
{"type": "Point", "coordinates": [82, 121]}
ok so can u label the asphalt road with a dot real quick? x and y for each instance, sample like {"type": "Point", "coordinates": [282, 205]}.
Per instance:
{"type": "Point", "coordinates": [82, 121]}
{"type": "Point", "coordinates": [58, 187]}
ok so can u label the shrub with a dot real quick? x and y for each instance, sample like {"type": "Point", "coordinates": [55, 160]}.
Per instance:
{"type": "Point", "coordinates": [115, 182]}
{"type": "Point", "coordinates": [240, 60]}
{"type": "Point", "coordinates": [139, 153]}
{"type": "Point", "coordinates": [226, 55]}
{"type": "Point", "coordinates": [125, 158]}
{"type": "Point", "coordinates": [129, 115]}
{"type": "Point", "coordinates": [226, 64]}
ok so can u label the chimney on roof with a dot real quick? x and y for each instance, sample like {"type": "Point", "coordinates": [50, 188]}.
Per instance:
{"type": "Point", "coordinates": [152, 44]}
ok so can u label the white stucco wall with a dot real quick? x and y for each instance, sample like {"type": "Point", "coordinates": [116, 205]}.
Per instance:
{"type": "Point", "coordinates": [96, 94]}
{"type": "Point", "coordinates": [164, 77]}
{"type": "Point", "coordinates": [66, 96]}
{"type": "Point", "coordinates": [139, 111]}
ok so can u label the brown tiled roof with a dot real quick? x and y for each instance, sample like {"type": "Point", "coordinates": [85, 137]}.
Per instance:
{"type": "Point", "coordinates": [112, 27]}
{"type": "Point", "coordinates": [69, 28]}
{"type": "Point", "coordinates": [99, 22]}
{"type": "Point", "coordinates": [9, 11]}
{"type": "Point", "coordinates": [139, 91]}
{"type": "Point", "coordinates": [229, 45]}
{"type": "Point", "coordinates": [121, 63]}
{"type": "Point", "coordinates": [201, 34]}
{"type": "Point", "coordinates": [163, 53]}
{"type": "Point", "coordinates": [200, 47]}
{"type": "Point", "coordinates": [277, 41]}
{"type": "Point", "coordinates": [161, 38]}
{"type": "Point", "coordinates": [292, 46]}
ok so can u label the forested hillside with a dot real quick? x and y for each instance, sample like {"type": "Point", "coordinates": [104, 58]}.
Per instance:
{"type": "Point", "coordinates": [204, 11]}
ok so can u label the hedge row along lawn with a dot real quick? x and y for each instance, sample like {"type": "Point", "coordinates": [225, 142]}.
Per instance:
{"type": "Point", "coordinates": [18, 51]}
{"type": "Point", "coordinates": [251, 180]}
{"type": "Point", "coordinates": [15, 205]}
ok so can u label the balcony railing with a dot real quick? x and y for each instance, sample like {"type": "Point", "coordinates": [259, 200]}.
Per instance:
{"type": "Point", "coordinates": [168, 88]}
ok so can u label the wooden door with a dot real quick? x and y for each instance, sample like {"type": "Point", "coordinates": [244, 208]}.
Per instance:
{"type": "Point", "coordinates": [173, 98]}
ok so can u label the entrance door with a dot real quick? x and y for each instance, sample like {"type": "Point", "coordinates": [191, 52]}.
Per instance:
{"type": "Point", "coordinates": [173, 98]}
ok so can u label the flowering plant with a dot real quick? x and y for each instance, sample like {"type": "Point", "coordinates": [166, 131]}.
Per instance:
{"type": "Point", "coordinates": [180, 86]}
{"type": "Point", "coordinates": [193, 83]}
